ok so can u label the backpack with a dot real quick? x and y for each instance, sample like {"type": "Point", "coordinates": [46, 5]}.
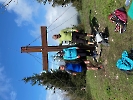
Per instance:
{"type": "Point", "coordinates": [125, 63]}
{"type": "Point", "coordinates": [119, 16]}
{"type": "Point", "coordinates": [70, 53]}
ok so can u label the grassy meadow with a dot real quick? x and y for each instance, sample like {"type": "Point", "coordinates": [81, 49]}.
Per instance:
{"type": "Point", "coordinates": [108, 83]}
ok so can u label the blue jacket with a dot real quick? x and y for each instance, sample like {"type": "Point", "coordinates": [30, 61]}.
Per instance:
{"type": "Point", "coordinates": [70, 53]}
{"type": "Point", "coordinates": [71, 68]}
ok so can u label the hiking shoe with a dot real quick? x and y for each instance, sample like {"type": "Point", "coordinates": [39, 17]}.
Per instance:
{"type": "Point", "coordinates": [100, 66]}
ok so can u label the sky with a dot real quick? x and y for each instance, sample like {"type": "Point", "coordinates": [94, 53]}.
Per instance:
{"type": "Point", "coordinates": [19, 26]}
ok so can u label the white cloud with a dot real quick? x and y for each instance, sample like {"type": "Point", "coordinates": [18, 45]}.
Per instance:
{"type": "Point", "coordinates": [58, 95]}
{"type": "Point", "coordinates": [6, 90]}
{"type": "Point", "coordinates": [24, 10]}
{"type": "Point", "coordinates": [58, 15]}
{"type": "Point", "coordinates": [59, 18]}
{"type": "Point", "coordinates": [55, 19]}
{"type": "Point", "coordinates": [13, 95]}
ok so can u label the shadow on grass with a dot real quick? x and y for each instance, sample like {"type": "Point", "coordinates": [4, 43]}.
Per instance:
{"type": "Point", "coordinates": [128, 72]}
{"type": "Point", "coordinates": [95, 27]}
{"type": "Point", "coordinates": [105, 34]}
{"type": "Point", "coordinates": [106, 31]}
{"type": "Point", "coordinates": [89, 95]}
{"type": "Point", "coordinates": [93, 23]}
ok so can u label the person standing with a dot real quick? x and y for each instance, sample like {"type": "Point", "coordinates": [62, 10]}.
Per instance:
{"type": "Point", "coordinates": [73, 69]}
{"type": "Point", "coordinates": [72, 35]}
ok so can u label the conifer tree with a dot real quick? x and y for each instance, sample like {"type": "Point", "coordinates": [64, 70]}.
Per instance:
{"type": "Point", "coordinates": [54, 79]}
{"type": "Point", "coordinates": [63, 3]}
{"type": "Point", "coordinates": [55, 2]}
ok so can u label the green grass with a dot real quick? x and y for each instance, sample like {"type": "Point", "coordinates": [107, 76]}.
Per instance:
{"type": "Point", "coordinates": [104, 84]}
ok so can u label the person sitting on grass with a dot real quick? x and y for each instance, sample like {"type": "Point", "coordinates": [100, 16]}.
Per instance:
{"type": "Point", "coordinates": [73, 69]}
{"type": "Point", "coordinates": [72, 53]}
{"type": "Point", "coordinates": [72, 35]}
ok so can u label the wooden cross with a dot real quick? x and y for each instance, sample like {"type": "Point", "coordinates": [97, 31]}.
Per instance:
{"type": "Point", "coordinates": [45, 48]}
